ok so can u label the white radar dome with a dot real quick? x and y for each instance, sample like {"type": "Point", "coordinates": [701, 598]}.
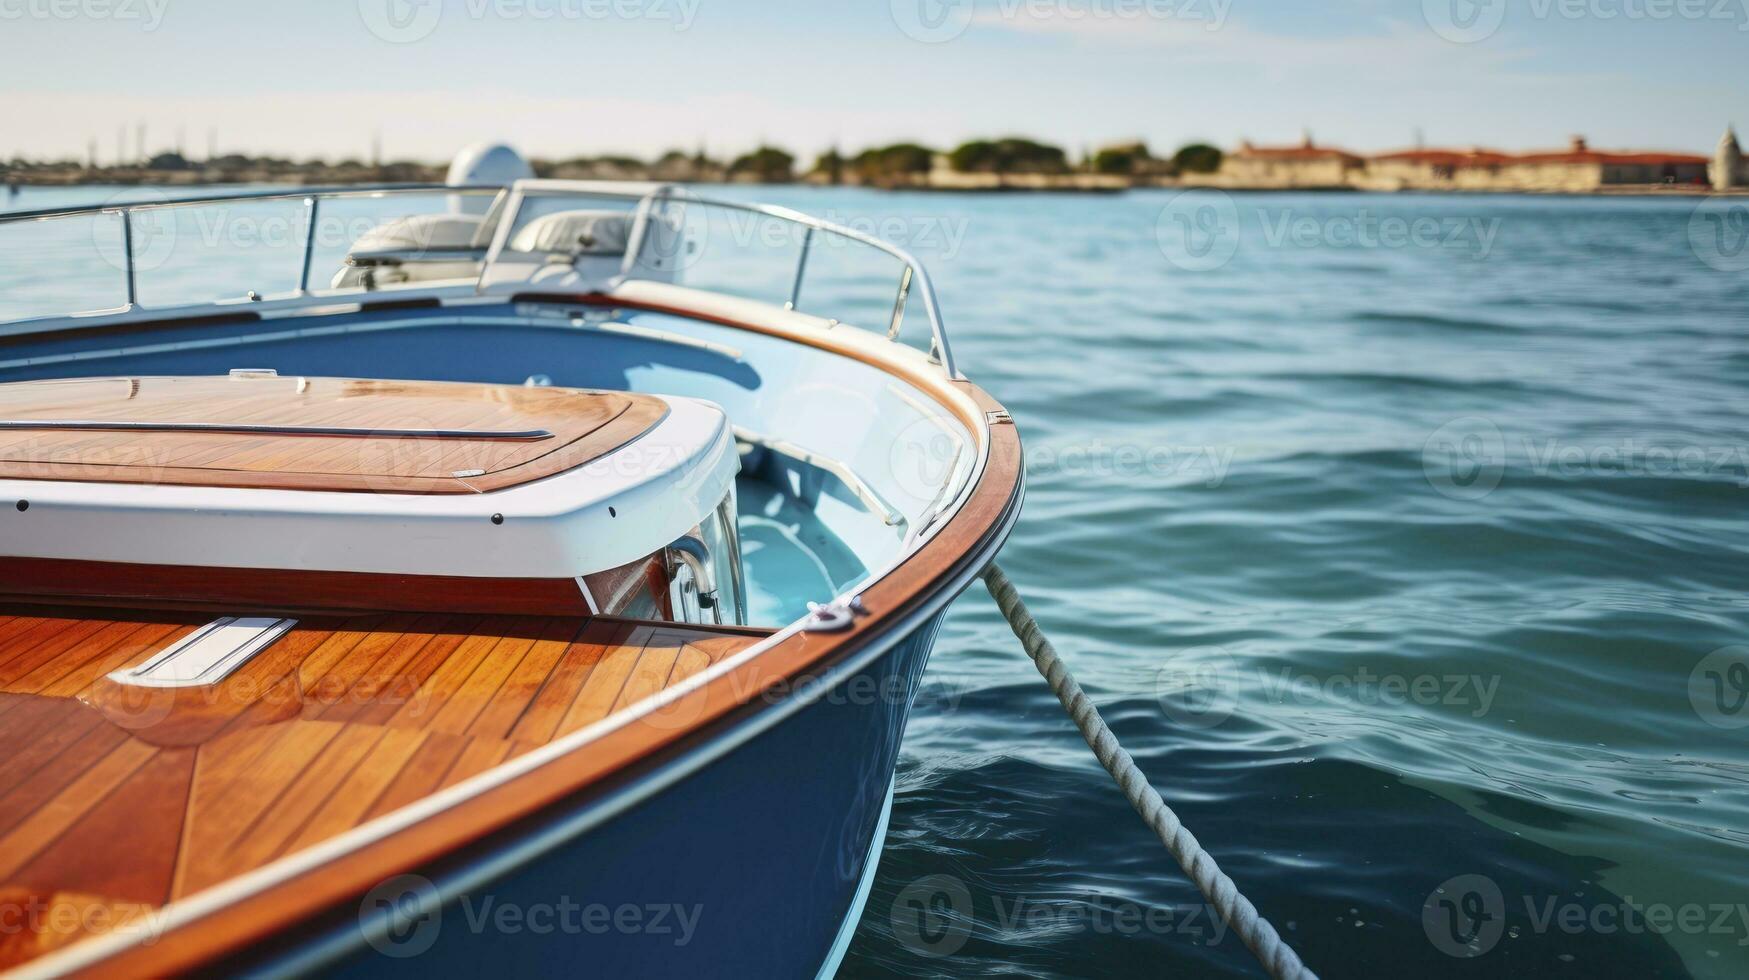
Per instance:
{"type": "Point", "coordinates": [484, 164]}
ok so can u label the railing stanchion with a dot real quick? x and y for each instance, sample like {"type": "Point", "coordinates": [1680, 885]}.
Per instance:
{"type": "Point", "coordinates": [310, 204]}
{"type": "Point", "coordinates": [795, 289]}
{"type": "Point", "coordinates": [899, 304]}
{"type": "Point", "coordinates": [127, 251]}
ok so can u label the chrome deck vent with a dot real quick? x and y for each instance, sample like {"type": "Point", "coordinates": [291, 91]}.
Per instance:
{"type": "Point", "coordinates": [208, 655]}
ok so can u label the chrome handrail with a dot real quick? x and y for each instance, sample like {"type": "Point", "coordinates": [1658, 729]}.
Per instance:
{"type": "Point", "coordinates": [291, 194]}
{"type": "Point", "coordinates": [311, 196]}
{"type": "Point", "coordinates": [914, 276]}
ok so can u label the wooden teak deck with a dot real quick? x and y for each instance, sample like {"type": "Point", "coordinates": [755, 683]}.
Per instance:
{"type": "Point", "coordinates": [116, 799]}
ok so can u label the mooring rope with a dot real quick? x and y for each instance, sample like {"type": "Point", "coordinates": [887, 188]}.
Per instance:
{"type": "Point", "coordinates": [1235, 909]}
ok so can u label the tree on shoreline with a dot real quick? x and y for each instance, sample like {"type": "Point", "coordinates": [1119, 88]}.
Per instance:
{"type": "Point", "coordinates": [1010, 155]}
{"type": "Point", "coordinates": [1122, 160]}
{"type": "Point", "coordinates": [1198, 158]}
{"type": "Point", "coordinates": [766, 165]}
{"type": "Point", "coordinates": [898, 164]}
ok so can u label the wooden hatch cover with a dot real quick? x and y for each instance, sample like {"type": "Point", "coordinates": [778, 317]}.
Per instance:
{"type": "Point", "coordinates": [261, 430]}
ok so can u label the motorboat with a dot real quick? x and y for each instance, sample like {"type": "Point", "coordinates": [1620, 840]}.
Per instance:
{"type": "Point", "coordinates": [531, 580]}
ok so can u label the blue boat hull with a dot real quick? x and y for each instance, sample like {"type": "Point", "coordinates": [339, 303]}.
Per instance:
{"type": "Point", "coordinates": [730, 859]}
{"type": "Point", "coordinates": [740, 854]}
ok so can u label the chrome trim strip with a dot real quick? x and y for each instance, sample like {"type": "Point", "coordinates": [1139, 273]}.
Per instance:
{"type": "Point", "coordinates": [877, 845]}
{"type": "Point", "coordinates": [208, 655]}
{"type": "Point", "coordinates": [230, 428]}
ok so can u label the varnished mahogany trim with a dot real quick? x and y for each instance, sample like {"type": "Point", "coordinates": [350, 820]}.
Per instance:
{"type": "Point", "coordinates": [58, 580]}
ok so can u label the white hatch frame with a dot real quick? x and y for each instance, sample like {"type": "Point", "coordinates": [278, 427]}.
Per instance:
{"type": "Point", "coordinates": [607, 513]}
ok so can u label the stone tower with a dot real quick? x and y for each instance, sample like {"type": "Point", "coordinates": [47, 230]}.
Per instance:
{"type": "Point", "coordinates": [1728, 162]}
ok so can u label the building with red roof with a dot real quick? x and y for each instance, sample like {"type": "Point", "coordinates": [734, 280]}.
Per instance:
{"type": "Point", "coordinates": [1578, 168]}
{"type": "Point", "coordinates": [1307, 165]}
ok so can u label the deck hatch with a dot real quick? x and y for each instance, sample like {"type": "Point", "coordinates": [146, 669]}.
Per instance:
{"type": "Point", "coordinates": [208, 655]}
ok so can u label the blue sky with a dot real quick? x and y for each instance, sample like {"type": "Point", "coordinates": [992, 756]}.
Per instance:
{"type": "Point", "coordinates": [584, 77]}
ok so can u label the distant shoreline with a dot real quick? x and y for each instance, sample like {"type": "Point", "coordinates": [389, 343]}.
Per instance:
{"type": "Point", "coordinates": [955, 183]}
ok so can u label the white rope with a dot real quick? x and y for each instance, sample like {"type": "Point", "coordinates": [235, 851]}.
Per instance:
{"type": "Point", "coordinates": [1235, 909]}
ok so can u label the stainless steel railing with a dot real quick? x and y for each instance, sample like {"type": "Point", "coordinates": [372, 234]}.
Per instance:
{"type": "Point", "coordinates": [649, 204]}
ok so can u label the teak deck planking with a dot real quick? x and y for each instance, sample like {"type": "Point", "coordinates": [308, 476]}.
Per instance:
{"type": "Point", "coordinates": [584, 426]}
{"type": "Point", "coordinates": [123, 799]}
